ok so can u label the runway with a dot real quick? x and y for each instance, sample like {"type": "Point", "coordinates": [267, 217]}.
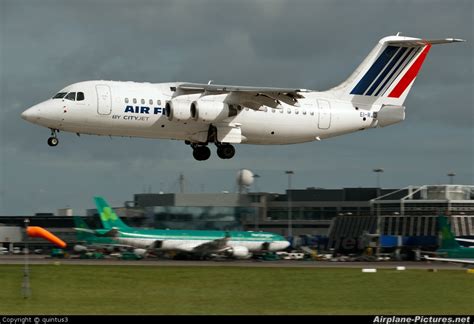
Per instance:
{"type": "Point", "coordinates": [423, 265]}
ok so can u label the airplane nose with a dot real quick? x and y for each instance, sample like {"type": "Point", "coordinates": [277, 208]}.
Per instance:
{"type": "Point", "coordinates": [281, 245]}
{"type": "Point", "coordinates": [25, 114]}
{"type": "Point", "coordinates": [30, 114]}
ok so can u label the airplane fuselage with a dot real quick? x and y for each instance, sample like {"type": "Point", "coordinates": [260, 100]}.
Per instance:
{"type": "Point", "coordinates": [134, 109]}
{"type": "Point", "coordinates": [182, 240]}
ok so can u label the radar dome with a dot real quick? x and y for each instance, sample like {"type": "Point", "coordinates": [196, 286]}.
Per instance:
{"type": "Point", "coordinates": [244, 178]}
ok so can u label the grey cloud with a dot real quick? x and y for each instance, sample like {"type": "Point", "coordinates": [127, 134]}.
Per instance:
{"type": "Point", "coordinates": [50, 44]}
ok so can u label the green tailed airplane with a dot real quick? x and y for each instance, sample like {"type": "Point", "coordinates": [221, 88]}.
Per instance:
{"type": "Point", "coordinates": [449, 246]}
{"type": "Point", "coordinates": [237, 244]}
{"type": "Point", "coordinates": [90, 237]}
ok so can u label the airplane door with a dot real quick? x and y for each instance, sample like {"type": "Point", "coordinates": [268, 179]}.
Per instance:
{"type": "Point", "coordinates": [324, 119]}
{"type": "Point", "coordinates": [104, 99]}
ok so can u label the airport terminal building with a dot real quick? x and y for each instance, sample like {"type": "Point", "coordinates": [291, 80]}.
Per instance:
{"type": "Point", "coordinates": [332, 217]}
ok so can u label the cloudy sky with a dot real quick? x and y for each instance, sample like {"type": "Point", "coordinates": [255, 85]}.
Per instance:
{"type": "Point", "coordinates": [46, 45]}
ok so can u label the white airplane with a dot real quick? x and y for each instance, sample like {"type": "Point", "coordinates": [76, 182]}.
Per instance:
{"type": "Point", "coordinates": [199, 114]}
{"type": "Point", "coordinates": [466, 241]}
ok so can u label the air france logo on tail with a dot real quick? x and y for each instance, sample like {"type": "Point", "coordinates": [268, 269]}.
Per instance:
{"type": "Point", "coordinates": [387, 68]}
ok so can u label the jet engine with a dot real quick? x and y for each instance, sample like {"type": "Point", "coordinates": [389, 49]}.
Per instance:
{"type": "Point", "coordinates": [140, 252]}
{"type": "Point", "coordinates": [390, 114]}
{"type": "Point", "coordinates": [208, 111]}
{"type": "Point", "coordinates": [178, 110]}
{"type": "Point", "coordinates": [239, 252]}
{"type": "Point", "coordinates": [80, 248]}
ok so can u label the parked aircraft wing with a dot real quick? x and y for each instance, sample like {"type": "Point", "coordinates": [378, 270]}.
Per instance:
{"type": "Point", "coordinates": [207, 247]}
{"type": "Point", "coordinates": [213, 246]}
{"type": "Point", "coordinates": [463, 261]}
{"type": "Point", "coordinates": [465, 240]}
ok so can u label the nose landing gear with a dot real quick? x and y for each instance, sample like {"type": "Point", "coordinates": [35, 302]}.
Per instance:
{"type": "Point", "coordinates": [53, 140]}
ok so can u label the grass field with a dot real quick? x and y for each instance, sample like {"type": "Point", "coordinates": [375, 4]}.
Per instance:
{"type": "Point", "coordinates": [75, 289]}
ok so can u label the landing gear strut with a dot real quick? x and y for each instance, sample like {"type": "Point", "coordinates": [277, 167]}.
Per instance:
{"type": "Point", "coordinates": [201, 152]}
{"type": "Point", "coordinates": [53, 140]}
{"type": "Point", "coordinates": [225, 151]}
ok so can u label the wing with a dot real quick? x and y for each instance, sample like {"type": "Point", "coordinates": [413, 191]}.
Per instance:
{"type": "Point", "coordinates": [464, 240]}
{"type": "Point", "coordinates": [217, 245]}
{"type": "Point", "coordinates": [463, 261]}
{"type": "Point", "coordinates": [252, 97]}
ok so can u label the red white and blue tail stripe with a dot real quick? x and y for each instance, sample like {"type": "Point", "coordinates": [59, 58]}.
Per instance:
{"type": "Point", "coordinates": [387, 68]}
{"type": "Point", "coordinates": [389, 71]}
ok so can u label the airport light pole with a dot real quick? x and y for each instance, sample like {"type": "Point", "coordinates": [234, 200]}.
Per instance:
{"type": "Point", "coordinates": [25, 287]}
{"type": "Point", "coordinates": [290, 230]}
{"type": "Point", "coordinates": [377, 172]}
{"type": "Point", "coordinates": [255, 177]}
{"type": "Point", "coordinates": [257, 211]}
{"type": "Point", "coordinates": [451, 176]}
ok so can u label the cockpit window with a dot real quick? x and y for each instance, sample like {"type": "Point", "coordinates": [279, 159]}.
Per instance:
{"type": "Point", "coordinates": [60, 95]}
{"type": "Point", "coordinates": [80, 96]}
{"type": "Point", "coordinates": [71, 96]}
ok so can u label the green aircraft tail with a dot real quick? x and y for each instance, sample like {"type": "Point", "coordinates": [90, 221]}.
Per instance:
{"type": "Point", "coordinates": [448, 240]}
{"type": "Point", "coordinates": [84, 233]}
{"type": "Point", "coordinates": [108, 217]}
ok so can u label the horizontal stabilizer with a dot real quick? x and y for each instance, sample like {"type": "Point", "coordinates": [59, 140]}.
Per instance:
{"type": "Point", "coordinates": [422, 42]}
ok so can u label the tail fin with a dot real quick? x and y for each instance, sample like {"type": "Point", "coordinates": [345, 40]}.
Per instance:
{"type": "Point", "coordinates": [108, 217]}
{"type": "Point", "coordinates": [83, 231]}
{"type": "Point", "coordinates": [388, 72]}
{"type": "Point", "coordinates": [448, 240]}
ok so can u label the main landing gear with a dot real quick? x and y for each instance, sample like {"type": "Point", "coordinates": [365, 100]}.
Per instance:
{"type": "Point", "coordinates": [53, 140]}
{"type": "Point", "coordinates": [201, 152]}
{"type": "Point", "coordinates": [225, 151]}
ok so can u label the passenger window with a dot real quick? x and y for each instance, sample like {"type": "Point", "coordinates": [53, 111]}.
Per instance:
{"type": "Point", "coordinates": [304, 112]}
{"type": "Point", "coordinates": [143, 101]}
{"type": "Point", "coordinates": [126, 100]}
{"type": "Point", "coordinates": [151, 101]}
{"type": "Point", "coordinates": [312, 113]}
{"type": "Point", "coordinates": [134, 100]}
{"type": "Point", "coordinates": [273, 110]}
{"type": "Point", "coordinates": [289, 110]}
{"type": "Point", "coordinates": [282, 110]}
{"type": "Point", "coordinates": [80, 96]}
{"type": "Point", "coordinates": [296, 111]}
{"type": "Point", "coordinates": [71, 96]}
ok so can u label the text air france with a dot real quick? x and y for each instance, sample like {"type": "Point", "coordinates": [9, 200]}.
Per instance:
{"type": "Point", "coordinates": [144, 110]}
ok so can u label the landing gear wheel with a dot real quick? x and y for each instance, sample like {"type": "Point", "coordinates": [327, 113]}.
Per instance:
{"type": "Point", "coordinates": [225, 151]}
{"type": "Point", "coordinates": [53, 141]}
{"type": "Point", "coordinates": [201, 153]}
